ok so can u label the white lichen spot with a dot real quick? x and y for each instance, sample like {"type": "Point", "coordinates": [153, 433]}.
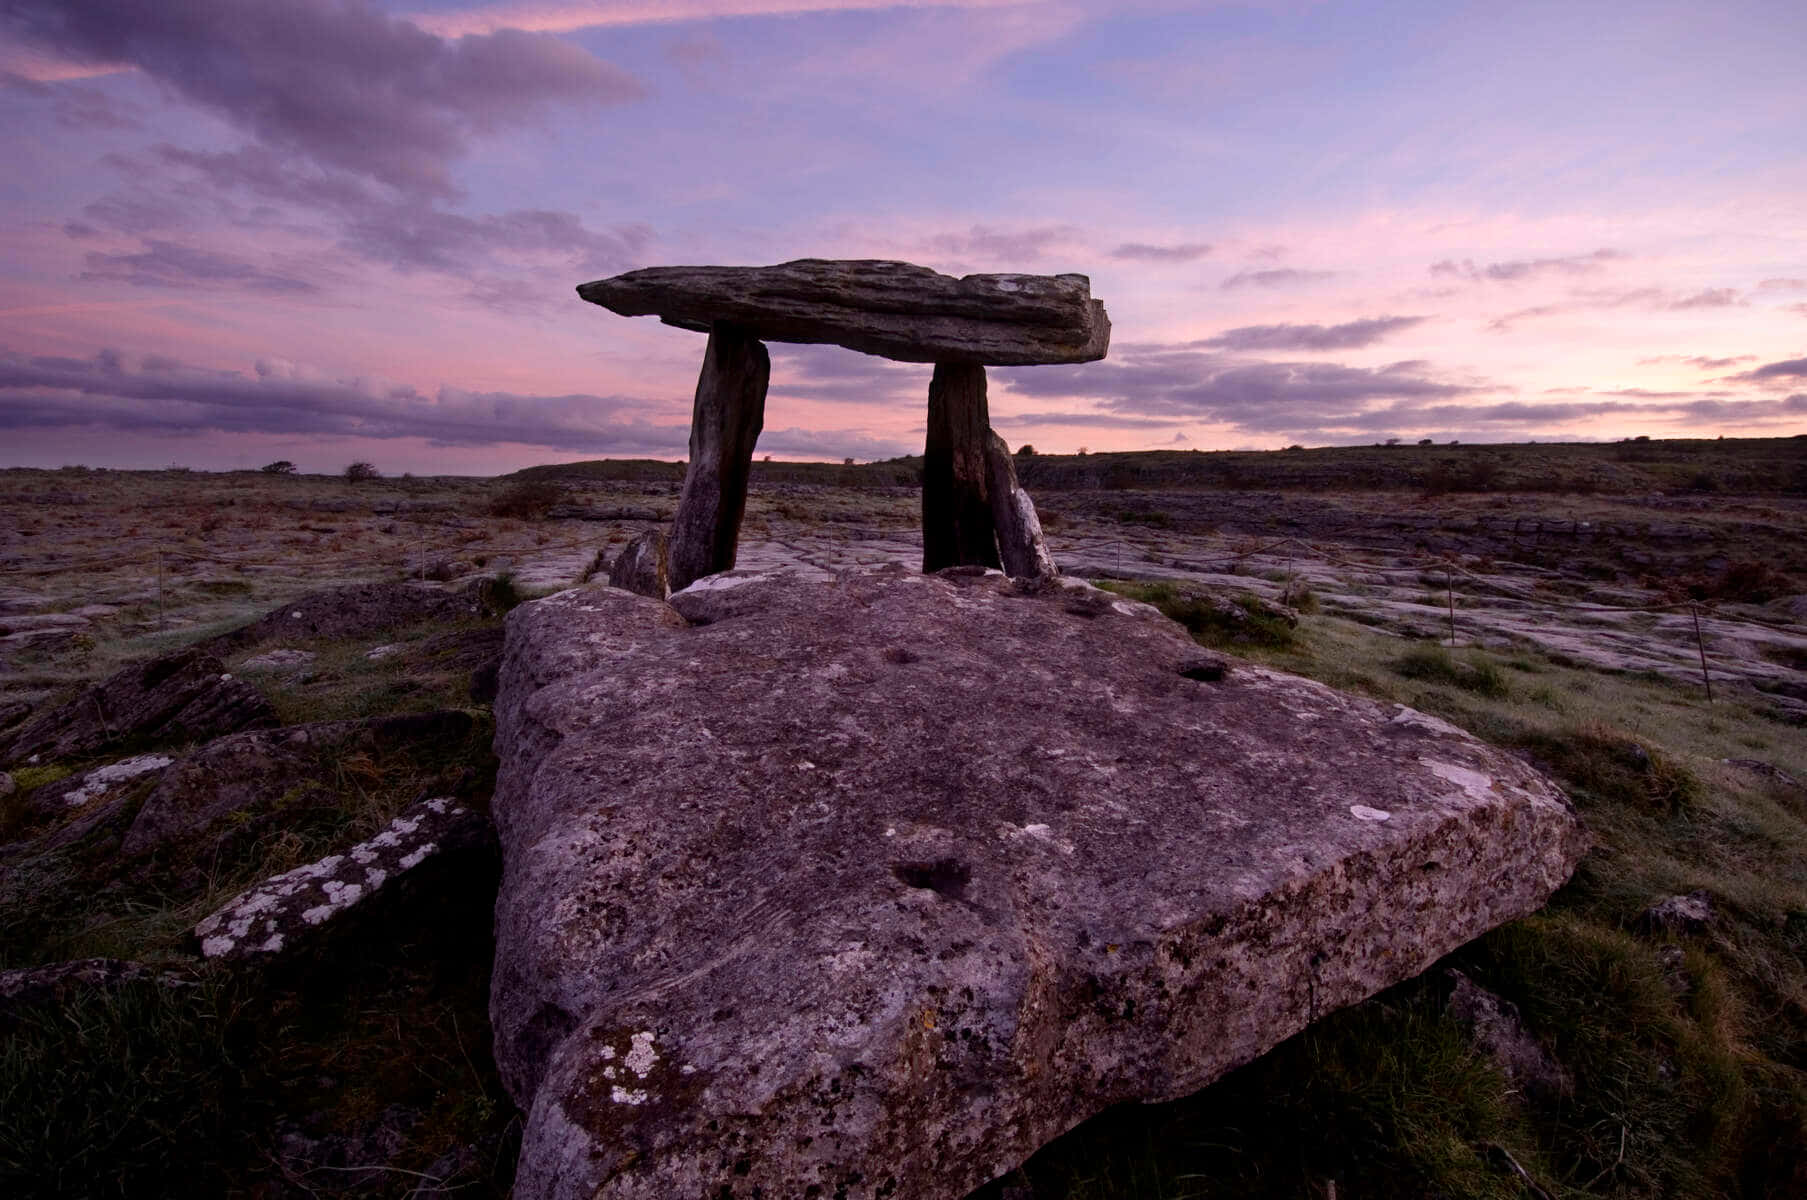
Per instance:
{"type": "Point", "coordinates": [362, 854]}
{"type": "Point", "coordinates": [317, 914]}
{"type": "Point", "coordinates": [272, 945]}
{"type": "Point", "coordinates": [890, 831]}
{"type": "Point", "coordinates": [440, 804]}
{"type": "Point", "coordinates": [806, 765]}
{"type": "Point", "coordinates": [608, 1052]}
{"type": "Point", "coordinates": [295, 616]}
{"type": "Point", "coordinates": [213, 947]}
{"type": "Point", "coordinates": [621, 1095]}
{"type": "Point", "coordinates": [1477, 784]}
{"type": "Point", "coordinates": [101, 778]}
{"type": "Point", "coordinates": [1362, 812]}
{"type": "Point", "coordinates": [641, 1056]}
{"type": "Point", "coordinates": [416, 857]}
{"type": "Point", "coordinates": [225, 677]}
{"type": "Point", "coordinates": [609, 1072]}
{"type": "Point", "coordinates": [687, 1069]}
{"type": "Point", "coordinates": [374, 876]}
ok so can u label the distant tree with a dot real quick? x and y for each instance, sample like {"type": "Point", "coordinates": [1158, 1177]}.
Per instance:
{"type": "Point", "coordinates": [281, 466]}
{"type": "Point", "coordinates": [848, 461]}
{"type": "Point", "coordinates": [1295, 446]}
{"type": "Point", "coordinates": [1392, 441]}
{"type": "Point", "coordinates": [1426, 442]}
{"type": "Point", "coordinates": [361, 472]}
{"type": "Point", "coordinates": [1083, 450]}
{"type": "Point", "coordinates": [1026, 451]}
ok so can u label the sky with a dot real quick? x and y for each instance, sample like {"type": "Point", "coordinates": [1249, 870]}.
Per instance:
{"type": "Point", "coordinates": [236, 231]}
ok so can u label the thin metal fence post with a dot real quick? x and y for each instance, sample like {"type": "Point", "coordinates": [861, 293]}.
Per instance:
{"type": "Point", "coordinates": [1701, 645]}
{"type": "Point", "coordinates": [159, 591]}
{"type": "Point", "coordinates": [1449, 582]}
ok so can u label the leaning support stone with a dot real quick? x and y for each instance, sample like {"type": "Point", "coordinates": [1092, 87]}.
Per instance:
{"type": "Point", "coordinates": [956, 504]}
{"type": "Point", "coordinates": [642, 566]}
{"type": "Point", "coordinates": [1020, 544]}
{"type": "Point", "coordinates": [724, 425]}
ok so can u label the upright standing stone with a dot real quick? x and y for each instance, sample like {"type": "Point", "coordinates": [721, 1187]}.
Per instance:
{"type": "Point", "coordinates": [956, 501]}
{"type": "Point", "coordinates": [724, 425]}
{"type": "Point", "coordinates": [1020, 544]}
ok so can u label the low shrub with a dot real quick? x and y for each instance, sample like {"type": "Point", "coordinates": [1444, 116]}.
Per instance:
{"type": "Point", "coordinates": [530, 500]}
{"type": "Point", "coordinates": [1434, 664]}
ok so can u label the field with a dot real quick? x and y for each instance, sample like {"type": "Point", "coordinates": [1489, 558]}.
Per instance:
{"type": "Point", "coordinates": [1573, 603]}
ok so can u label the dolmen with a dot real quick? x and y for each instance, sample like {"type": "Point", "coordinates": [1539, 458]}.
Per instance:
{"type": "Point", "coordinates": [973, 511]}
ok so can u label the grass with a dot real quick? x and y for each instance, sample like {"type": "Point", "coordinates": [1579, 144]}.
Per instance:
{"type": "Point", "coordinates": [1242, 620]}
{"type": "Point", "coordinates": [1689, 1052]}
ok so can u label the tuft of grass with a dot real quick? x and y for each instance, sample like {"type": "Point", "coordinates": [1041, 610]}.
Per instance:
{"type": "Point", "coordinates": [1237, 621]}
{"type": "Point", "coordinates": [1435, 664]}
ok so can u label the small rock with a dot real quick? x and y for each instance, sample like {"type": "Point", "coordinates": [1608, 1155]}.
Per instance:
{"type": "Point", "coordinates": [283, 913]}
{"type": "Point", "coordinates": [7, 785]}
{"type": "Point", "coordinates": [279, 660]}
{"type": "Point", "coordinates": [1757, 766]}
{"type": "Point", "coordinates": [378, 653]}
{"type": "Point", "coordinates": [1498, 1031]}
{"type": "Point", "coordinates": [42, 622]}
{"type": "Point", "coordinates": [1692, 913]}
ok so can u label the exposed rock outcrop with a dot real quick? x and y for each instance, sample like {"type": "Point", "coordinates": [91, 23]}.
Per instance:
{"type": "Point", "coordinates": [186, 696]}
{"type": "Point", "coordinates": [286, 913]}
{"type": "Point", "coordinates": [869, 888]}
{"type": "Point", "coordinates": [358, 611]}
{"type": "Point", "coordinates": [247, 777]}
{"type": "Point", "coordinates": [893, 309]}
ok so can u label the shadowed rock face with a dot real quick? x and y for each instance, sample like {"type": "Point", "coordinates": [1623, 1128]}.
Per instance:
{"type": "Point", "coordinates": [892, 309]}
{"type": "Point", "coordinates": [871, 887]}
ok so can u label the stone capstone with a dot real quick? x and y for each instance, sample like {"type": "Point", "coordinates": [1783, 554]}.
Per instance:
{"type": "Point", "coordinates": [871, 887]}
{"type": "Point", "coordinates": [181, 697]}
{"type": "Point", "coordinates": [892, 309]}
{"type": "Point", "coordinates": [284, 913]}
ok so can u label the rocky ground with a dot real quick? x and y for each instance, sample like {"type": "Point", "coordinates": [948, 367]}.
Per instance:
{"type": "Point", "coordinates": [1574, 643]}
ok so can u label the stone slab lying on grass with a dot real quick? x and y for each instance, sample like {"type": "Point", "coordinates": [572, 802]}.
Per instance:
{"type": "Point", "coordinates": [279, 660]}
{"type": "Point", "coordinates": [284, 913]}
{"type": "Point", "coordinates": [183, 697]}
{"type": "Point", "coordinates": [36, 985]}
{"type": "Point", "coordinates": [871, 887]}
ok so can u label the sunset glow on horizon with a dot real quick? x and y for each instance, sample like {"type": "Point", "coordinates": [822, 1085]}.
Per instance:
{"type": "Point", "coordinates": [337, 230]}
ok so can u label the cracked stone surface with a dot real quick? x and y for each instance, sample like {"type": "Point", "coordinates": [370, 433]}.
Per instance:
{"type": "Point", "coordinates": [871, 886]}
{"type": "Point", "coordinates": [286, 911]}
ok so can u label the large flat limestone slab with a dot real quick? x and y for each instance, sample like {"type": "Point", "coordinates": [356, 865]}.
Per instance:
{"type": "Point", "coordinates": [892, 309]}
{"type": "Point", "coordinates": [870, 887]}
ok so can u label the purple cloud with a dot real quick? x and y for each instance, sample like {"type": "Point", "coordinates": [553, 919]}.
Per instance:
{"type": "Point", "coordinates": [1002, 245]}
{"type": "Point", "coordinates": [1775, 372]}
{"type": "Point", "coordinates": [1783, 285]}
{"type": "Point", "coordinates": [1351, 335]}
{"type": "Point", "coordinates": [337, 81]}
{"type": "Point", "coordinates": [1278, 277]}
{"type": "Point", "coordinates": [1250, 395]}
{"type": "Point", "coordinates": [1149, 252]}
{"type": "Point", "coordinates": [1526, 268]}
{"type": "Point", "coordinates": [173, 265]}
{"type": "Point", "coordinates": [1709, 298]}
{"type": "Point", "coordinates": [1698, 360]}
